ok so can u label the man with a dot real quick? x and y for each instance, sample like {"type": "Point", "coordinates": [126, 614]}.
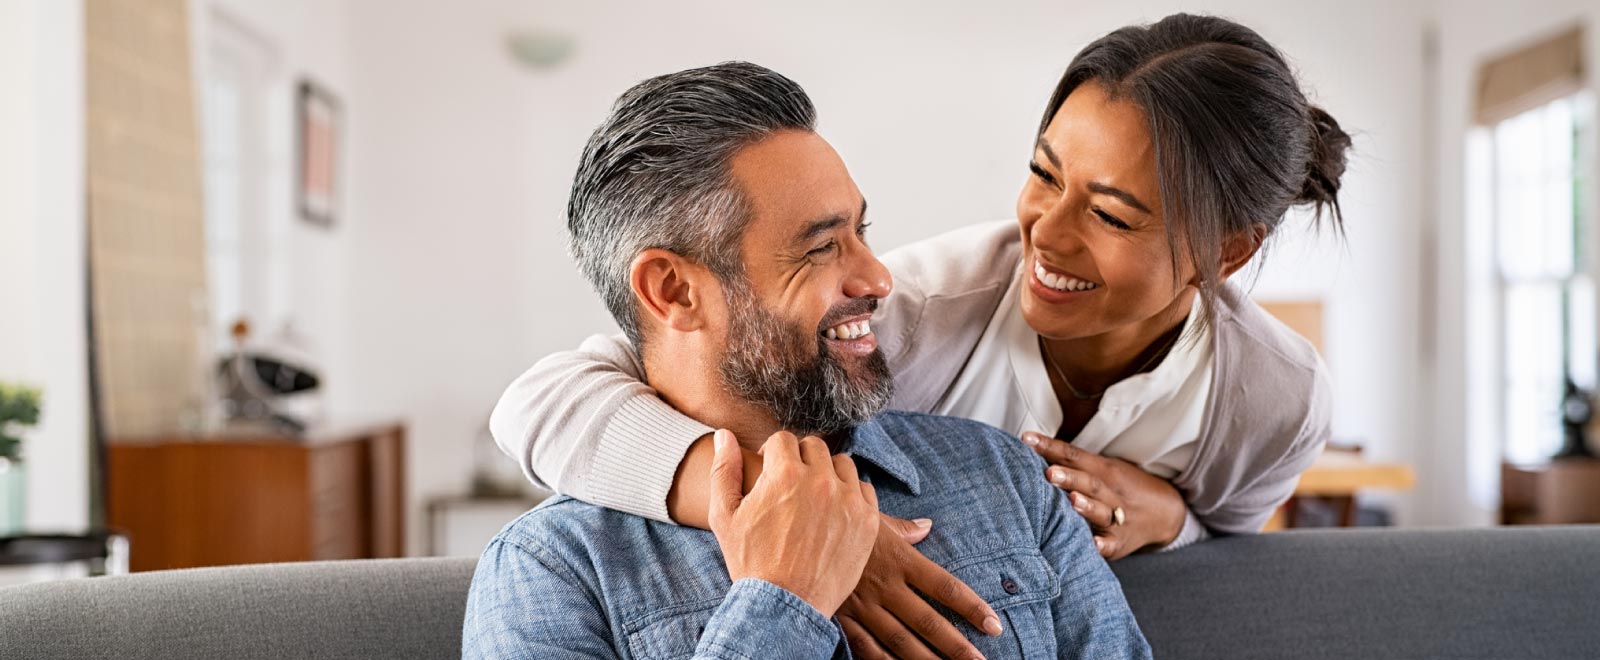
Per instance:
{"type": "Point", "coordinates": [727, 238]}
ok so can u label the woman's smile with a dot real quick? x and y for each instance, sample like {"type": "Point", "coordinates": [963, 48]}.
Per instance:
{"type": "Point", "coordinates": [1054, 286]}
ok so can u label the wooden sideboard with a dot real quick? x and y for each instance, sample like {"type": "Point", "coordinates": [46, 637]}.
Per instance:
{"type": "Point", "coordinates": [1563, 491]}
{"type": "Point", "coordinates": [335, 493]}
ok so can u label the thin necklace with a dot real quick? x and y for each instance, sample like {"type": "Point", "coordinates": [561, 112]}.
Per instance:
{"type": "Point", "coordinates": [1050, 360]}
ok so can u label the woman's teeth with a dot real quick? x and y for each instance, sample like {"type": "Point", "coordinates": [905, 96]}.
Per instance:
{"type": "Point", "coordinates": [848, 331]}
{"type": "Point", "coordinates": [1059, 282]}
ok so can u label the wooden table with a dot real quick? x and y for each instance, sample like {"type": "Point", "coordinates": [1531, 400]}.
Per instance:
{"type": "Point", "coordinates": [1337, 476]}
{"type": "Point", "coordinates": [1341, 473]}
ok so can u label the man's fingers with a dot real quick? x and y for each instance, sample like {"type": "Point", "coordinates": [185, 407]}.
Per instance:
{"type": "Point", "coordinates": [1074, 480]}
{"type": "Point", "coordinates": [727, 476]}
{"type": "Point", "coordinates": [870, 494]}
{"type": "Point", "coordinates": [911, 531]}
{"type": "Point", "coordinates": [931, 579]}
{"type": "Point", "coordinates": [814, 451]}
{"type": "Point", "coordinates": [845, 468]}
{"type": "Point", "coordinates": [780, 449]}
{"type": "Point", "coordinates": [1094, 511]}
{"type": "Point", "coordinates": [861, 641]}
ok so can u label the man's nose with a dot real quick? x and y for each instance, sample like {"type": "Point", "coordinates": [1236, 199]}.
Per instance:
{"type": "Point", "coordinates": [867, 277]}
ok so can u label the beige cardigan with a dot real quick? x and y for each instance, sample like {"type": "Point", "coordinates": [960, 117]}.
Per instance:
{"type": "Point", "coordinates": [581, 422]}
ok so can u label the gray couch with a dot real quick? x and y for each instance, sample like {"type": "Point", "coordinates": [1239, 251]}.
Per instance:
{"type": "Point", "coordinates": [1490, 593]}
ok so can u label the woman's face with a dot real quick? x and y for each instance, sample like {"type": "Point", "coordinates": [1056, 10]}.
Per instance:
{"type": "Point", "coordinates": [1094, 238]}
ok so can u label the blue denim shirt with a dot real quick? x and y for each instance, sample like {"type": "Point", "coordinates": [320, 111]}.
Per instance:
{"type": "Point", "coordinates": [573, 580]}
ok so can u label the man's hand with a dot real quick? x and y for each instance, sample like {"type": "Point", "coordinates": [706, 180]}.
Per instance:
{"type": "Point", "coordinates": [808, 524]}
{"type": "Point", "coordinates": [1153, 510]}
{"type": "Point", "coordinates": [886, 617]}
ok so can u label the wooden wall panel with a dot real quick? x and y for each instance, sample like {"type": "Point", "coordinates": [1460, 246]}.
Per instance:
{"type": "Point", "coordinates": [146, 222]}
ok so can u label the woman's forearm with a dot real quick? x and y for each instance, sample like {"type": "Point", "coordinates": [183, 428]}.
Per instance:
{"type": "Point", "coordinates": [582, 423]}
{"type": "Point", "coordinates": [689, 500]}
{"type": "Point", "coordinates": [1193, 531]}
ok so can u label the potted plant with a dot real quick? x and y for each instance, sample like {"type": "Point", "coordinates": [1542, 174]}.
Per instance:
{"type": "Point", "coordinates": [19, 409]}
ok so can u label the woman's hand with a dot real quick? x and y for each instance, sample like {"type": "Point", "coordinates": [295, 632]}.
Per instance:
{"type": "Point", "coordinates": [886, 617]}
{"type": "Point", "coordinates": [1153, 510]}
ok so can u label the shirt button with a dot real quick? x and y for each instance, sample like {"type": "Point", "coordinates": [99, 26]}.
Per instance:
{"type": "Point", "coordinates": [1009, 585]}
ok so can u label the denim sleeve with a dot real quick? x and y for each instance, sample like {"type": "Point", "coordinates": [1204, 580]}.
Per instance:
{"type": "Point", "coordinates": [524, 604]}
{"type": "Point", "coordinates": [522, 607]}
{"type": "Point", "coordinates": [1092, 618]}
{"type": "Point", "coordinates": [759, 619]}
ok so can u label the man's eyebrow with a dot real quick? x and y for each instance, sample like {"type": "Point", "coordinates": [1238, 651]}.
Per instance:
{"type": "Point", "coordinates": [1126, 197]}
{"type": "Point", "coordinates": [817, 228]}
{"type": "Point", "coordinates": [822, 226]}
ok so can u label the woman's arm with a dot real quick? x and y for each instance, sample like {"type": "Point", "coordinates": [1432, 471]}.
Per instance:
{"type": "Point", "coordinates": [1247, 509]}
{"type": "Point", "coordinates": [583, 424]}
{"type": "Point", "coordinates": [1158, 516]}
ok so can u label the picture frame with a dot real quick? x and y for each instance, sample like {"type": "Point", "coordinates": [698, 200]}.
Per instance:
{"type": "Point", "coordinates": [318, 128]}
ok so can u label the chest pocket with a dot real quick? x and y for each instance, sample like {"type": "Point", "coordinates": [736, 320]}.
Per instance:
{"type": "Point", "coordinates": [671, 633]}
{"type": "Point", "coordinates": [1019, 584]}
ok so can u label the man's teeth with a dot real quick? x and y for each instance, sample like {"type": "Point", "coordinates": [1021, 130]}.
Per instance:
{"type": "Point", "coordinates": [1059, 282]}
{"type": "Point", "coordinates": [848, 331]}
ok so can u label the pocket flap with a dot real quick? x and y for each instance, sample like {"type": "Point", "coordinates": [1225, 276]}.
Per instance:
{"type": "Point", "coordinates": [670, 633]}
{"type": "Point", "coordinates": [1007, 578]}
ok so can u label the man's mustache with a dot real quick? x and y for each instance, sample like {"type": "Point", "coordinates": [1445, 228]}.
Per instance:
{"type": "Point", "coordinates": [847, 309]}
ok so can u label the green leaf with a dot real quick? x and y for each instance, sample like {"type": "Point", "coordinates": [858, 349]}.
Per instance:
{"type": "Point", "coordinates": [19, 404]}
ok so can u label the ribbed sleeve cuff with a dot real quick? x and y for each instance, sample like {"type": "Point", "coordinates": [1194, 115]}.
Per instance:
{"type": "Point", "coordinates": [759, 619]}
{"type": "Point", "coordinates": [638, 456]}
{"type": "Point", "coordinates": [1193, 532]}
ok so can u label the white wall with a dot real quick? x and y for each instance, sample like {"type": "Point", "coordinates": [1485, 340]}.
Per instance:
{"type": "Point", "coordinates": [460, 162]}
{"type": "Point", "coordinates": [42, 335]}
{"type": "Point", "coordinates": [1463, 455]}
{"type": "Point", "coordinates": [446, 275]}
{"type": "Point", "coordinates": [307, 40]}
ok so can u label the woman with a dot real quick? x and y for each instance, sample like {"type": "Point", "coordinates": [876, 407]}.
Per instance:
{"type": "Point", "coordinates": [1101, 327]}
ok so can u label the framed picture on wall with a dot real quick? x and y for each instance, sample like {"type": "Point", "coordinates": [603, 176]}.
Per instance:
{"type": "Point", "coordinates": [317, 177]}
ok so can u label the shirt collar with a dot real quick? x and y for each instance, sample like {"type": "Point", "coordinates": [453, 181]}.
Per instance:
{"type": "Point", "coordinates": [869, 442]}
{"type": "Point", "coordinates": [1188, 354]}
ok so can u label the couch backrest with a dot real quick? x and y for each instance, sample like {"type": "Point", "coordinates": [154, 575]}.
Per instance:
{"type": "Point", "coordinates": [1487, 593]}
{"type": "Point", "coordinates": [1525, 592]}
{"type": "Point", "coordinates": [347, 610]}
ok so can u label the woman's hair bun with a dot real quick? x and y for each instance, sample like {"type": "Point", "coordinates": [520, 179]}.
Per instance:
{"type": "Point", "coordinates": [1326, 166]}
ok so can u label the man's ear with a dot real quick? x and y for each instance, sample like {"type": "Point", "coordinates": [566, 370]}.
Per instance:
{"type": "Point", "coordinates": [670, 289]}
{"type": "Point", "coordinates": [1239, 248]}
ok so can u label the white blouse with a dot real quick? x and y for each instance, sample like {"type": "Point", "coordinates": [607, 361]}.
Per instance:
{"type": "Point", "coordinates": [1152, 419]}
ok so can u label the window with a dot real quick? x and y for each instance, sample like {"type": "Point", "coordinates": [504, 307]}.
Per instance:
{"type": "Point", "coordinates": [1531, 175]}
{"type": "Point", "coordinates": [245, 226]}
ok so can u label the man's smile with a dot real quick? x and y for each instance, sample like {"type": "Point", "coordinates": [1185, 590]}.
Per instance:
{"type": "Point", "coordinates": [853, 335]}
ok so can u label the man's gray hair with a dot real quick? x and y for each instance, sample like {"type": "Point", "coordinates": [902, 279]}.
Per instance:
{"type": "Point", "coordinates": [656, 174]}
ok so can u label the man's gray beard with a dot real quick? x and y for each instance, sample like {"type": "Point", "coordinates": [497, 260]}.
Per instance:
{"type": "Point", "coordinates": [767, 363]}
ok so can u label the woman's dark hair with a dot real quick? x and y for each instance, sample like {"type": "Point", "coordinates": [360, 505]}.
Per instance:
{"type": "Point", "coordinates": [1236, 142]}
